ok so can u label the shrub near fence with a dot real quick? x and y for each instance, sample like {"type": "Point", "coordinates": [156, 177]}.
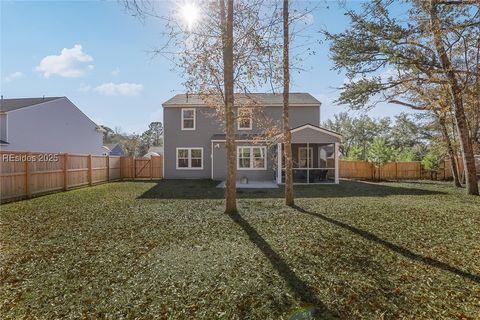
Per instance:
{"type": "Point", "coordinates": [24, 174]}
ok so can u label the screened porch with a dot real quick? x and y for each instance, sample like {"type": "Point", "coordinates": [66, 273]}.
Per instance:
{"type": "Point", "coordinates": [314, 154]}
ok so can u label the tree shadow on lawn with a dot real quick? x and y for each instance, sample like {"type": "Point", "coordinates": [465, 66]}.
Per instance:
{"type": "Point", "coordinates": [396, 248]}
{"type": "Point", "coordinates": [206, 189]}
{"type": "Point", "coordinates": [312, 306]}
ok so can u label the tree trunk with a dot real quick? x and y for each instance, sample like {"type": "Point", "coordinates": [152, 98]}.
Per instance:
{"type": "Point", "coordinates": [227, 41]}
{"type": "Point", "coordinates": [287, 135]}
{"type": "Point", "coordinates": [451, 152]}
{"type": "Point", "coordinates": [456, 92]}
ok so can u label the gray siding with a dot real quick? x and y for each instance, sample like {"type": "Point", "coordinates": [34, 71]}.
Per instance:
{"type": "Point", "coordinates": [220, 164]}
{"type": "Point", "coordinates": [206, 126]}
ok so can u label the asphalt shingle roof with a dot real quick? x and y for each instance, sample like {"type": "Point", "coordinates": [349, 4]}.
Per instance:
{"type": "Point", "coordinates": [7, 105]}
{"type": "Point", "coordinates": [262, 99]}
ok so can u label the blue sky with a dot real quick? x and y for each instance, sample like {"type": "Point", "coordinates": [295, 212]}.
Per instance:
{"type": "Point", "coordinates": [97, 55]}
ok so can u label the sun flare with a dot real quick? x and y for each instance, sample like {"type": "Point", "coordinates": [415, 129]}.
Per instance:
{"type": "Point", "coordinates": [190, 14]}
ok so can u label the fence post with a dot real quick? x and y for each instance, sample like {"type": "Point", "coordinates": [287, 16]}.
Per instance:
{"type": "Point", "coordinates": [28, 191]}
{"type": "Point", "coordinates": [419, 170]}
{"type": "Point", "coordinates": [89, 169]}
{"type": "Point", "coordinates": [134, 168]}
{"type": "Point", "coordinates": [108, 167]}
{"type": "Point", "coordinates": [396, 170]}
{"type": "Point", "coordinates": [151, 167]}
{"type": "Point", "coordinates": [65, 171]}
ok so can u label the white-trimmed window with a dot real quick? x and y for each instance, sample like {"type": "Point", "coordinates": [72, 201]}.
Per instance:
{"type": "Point", "coordinates": [188, 118]}
{"type": "Point", "coordinates": [305, 157]}
{"type": "Point", "coordinates": [190, 158]}
{"type": "Point", "coordinates": [244, 121]}
{"type": "Point", "coordinates": [251, 158]}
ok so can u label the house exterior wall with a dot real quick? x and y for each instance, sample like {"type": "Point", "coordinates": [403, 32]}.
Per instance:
{"type": "Point", "coordinates": [206, 126]}
{"type": "Point", "coordinates": [3, 127]}
{"type": "Point", "coordinates": [56, 126]}
{"type": "Point", "coordinates": [117, 151]}
{"type": "Point", "coordinates": [219, 169]}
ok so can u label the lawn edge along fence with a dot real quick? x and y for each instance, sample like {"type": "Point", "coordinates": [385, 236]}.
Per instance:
{"type": "Point", "coordinates": [28, 174]}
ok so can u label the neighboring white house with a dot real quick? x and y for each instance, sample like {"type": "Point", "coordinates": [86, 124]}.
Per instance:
{"type": "Point", "coordinates": [52, 124]}
{"type": "Point", "coordinates": [154, 151]}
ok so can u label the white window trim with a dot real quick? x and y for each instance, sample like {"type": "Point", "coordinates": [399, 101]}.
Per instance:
{"type": "Point", "coordinates": [194, 119]}
{"type": "Point", "coordinates": [309, 155]}
{"type": "Point", "coordinates": [250, 111]}
{"type": "Point", "coordinates": [189, 158]}
{"type": "Point", "coordinates": [251, 158]}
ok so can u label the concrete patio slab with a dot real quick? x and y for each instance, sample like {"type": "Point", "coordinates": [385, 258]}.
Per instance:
{"type": "Point", "coordinates": [252, 185]}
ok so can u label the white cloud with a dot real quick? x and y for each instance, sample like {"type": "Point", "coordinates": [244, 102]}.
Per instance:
{"type": "Point", "coordinates": [119, 89]}
{"type": "Point", "coordinates": [115, 72]}
{"type": "Point", "coordinates": [13, 76]}
{"type": "Point", "coordinates": [84, 88]}
{"type": "Point", "coordinates": [71, 63]}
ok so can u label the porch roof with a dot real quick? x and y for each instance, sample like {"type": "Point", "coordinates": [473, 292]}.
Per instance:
{"type": "Point", "coordinates": [309, 133]}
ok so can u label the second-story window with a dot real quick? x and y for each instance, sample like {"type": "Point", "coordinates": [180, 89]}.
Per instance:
{"type": "Point", "coordinates": [244, 119]}
{"type": "Point", "coordinates": [188, 119]}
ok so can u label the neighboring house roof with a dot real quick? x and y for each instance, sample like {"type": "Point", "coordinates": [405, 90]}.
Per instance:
{"type": "Point", "coordinates": [7, 105]}
{"type": "Point", "coordinates": [154, 151]}
{"type": "Point", "coordinates": [114, 149]}
{"type": "Point", "coordinates": [157, 149]}
{"type": "Point", "coordinates": [110, 146]}
{"type": "Point", "coordinates": [240, 136]}
{"type": "Point", "coordinates": [261, 99]}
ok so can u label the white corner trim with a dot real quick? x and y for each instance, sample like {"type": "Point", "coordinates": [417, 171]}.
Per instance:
{"type": "Point", "coordinates": [194, 119]}
{"type": "Point", "coordinates": [211, 160]}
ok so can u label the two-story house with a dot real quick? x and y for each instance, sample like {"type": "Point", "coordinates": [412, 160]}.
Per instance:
{"type": "Point", "coordinates": [194, 141]}
{"type": "Point", "coordinates": [49, 124]}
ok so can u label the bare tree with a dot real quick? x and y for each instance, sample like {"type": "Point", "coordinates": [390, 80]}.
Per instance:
{"type": "Point", "coordinates": [227, 42]}
{"type": "Point", "coordinates": [287, 135]}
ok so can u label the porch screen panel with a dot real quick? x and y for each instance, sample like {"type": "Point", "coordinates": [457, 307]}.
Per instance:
{"type": "Point", "coordinates": [326, 156]}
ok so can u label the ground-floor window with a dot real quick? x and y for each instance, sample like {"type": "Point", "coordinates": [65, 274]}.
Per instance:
{"type": "Point", "coordinates": [189, 158]}
{"type": "Point", "coordinates": [251, 158]}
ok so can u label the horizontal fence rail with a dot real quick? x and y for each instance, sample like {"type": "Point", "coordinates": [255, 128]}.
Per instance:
{"type": "Point", "coordinates": [26, 174]}
{"type": "Point", "coordinates": [412, 170]}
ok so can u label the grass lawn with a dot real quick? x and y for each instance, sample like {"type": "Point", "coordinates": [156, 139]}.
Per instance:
{"type": "Point", "coordinates": [144, 250]}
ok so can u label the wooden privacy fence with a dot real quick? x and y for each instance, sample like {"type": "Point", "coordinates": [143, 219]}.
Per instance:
{"type": "Point", "coordinates": [413, 170]}
{"type": "Point", "coordinates": [24, 174]}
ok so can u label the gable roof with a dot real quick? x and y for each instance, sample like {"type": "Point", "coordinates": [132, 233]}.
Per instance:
{"type": "Point", "coordinates": [7, 105]}
{"type": "Point", "coordinates": [110, 146]}
{"type": "Point", "coordinates": [262, 99]}
{"type": "Point", "coordinates": [316, 128]}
